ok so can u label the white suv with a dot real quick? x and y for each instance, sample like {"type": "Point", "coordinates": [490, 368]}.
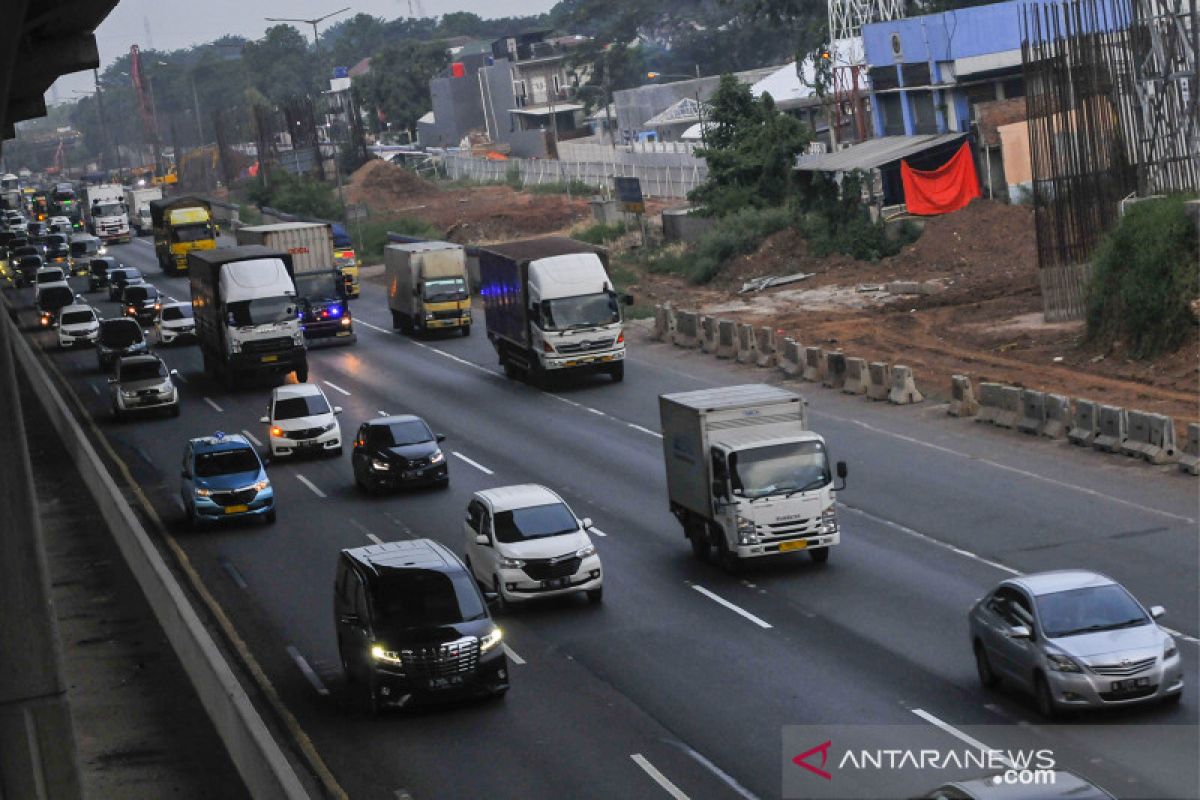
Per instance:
{"type": "Point", "coordinates": [524, 542]}
{"type": "Point", "coordinates": [77, 324]}
{"type": "Point", "coordinates": [302, 421]}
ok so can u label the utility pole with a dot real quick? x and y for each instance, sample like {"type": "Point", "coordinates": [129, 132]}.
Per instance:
{"type": "Point", "coordinates": [103, 127]}
{"type": "Point", "coordinates": [196, 105]}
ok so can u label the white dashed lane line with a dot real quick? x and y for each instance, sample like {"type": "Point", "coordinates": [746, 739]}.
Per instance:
{"type": "Point", "coordinates": [716, 598]}
{"type": "Point", "coordinates": [384, 414]}
{"type": "Point", "coordinates": [210, 401]}
{"type": "Point", "coordinates": [233, 573]}
{"type": "Point", "coordinates": [962, 737]}
{"type": "Point", "coordinates": [310, 485]}
{"type": "Point", "coordinates": [662, 780]}
{"type": "Point", "coordinates": [307, 671]}
{"type": "Point", "coordinates": [473, 463]}
{"type": "Point", "coordinates": [597, 531]}
{"type": "Point", "coordinates": [512, 654]}
{"type": "Point", "coordinates": [365, 324]}
{"type": "Point", "coordinates": [647, 431]}
{"type": "Point", "coordinates": [252, 438]}
{"type": "Point", "coordinates": [336, 388]}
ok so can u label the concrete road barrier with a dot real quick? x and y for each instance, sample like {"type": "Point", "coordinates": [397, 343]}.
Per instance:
{"type": "Point", "coordinates": [962, 397]}
{"type": "Point", "coordinates": [857, 376]}
{"type": "Point", "coordinates": [879, 380]}
{"type": "Point", "coordinates": [904, 387]}
{"type": "Point", "coordinates": [1189, 459]}
{"type": "Point", "coordinates": [662, 324]}
{"type": "Point", "coordinates": [1033, 412]}
{"type": "Point", "coordinates": [764, 343]}
{"type": "Point", "coordinates": [745, 343]}
{"type": "Point", "coordinates": [708, 333]}
{"type": "Point", "coordinates": [835, 370]}
{"type": "Point", "coordinates": [791, 357]}
{"type": "Point", "coordinates": [726, 338]}
{"type": "Point", "coordinates": [991, 402]}
{"type": "Point", "coordinates": [1010, 407]}
{"type": "Point", "coordinates": [1112, 429]}
{"type": "Point", "coordinates": [1150, 437]}
{"type": "Point", "coordinates": [1058, 416]}
{"type": "Point", "coordinates": [687, 329]}
{"type": "Point", "coordinates": [1085, 423]}
{"type": "Point", "coordinates": [814, 364]}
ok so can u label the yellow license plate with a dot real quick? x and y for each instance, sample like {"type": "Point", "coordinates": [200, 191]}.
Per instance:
{"type": "Point", "coordinates": [786, 546]}
{"type": "Point", "coordinates": [270, 358]}
{"type": "Point", "coordinates": [236, 509]}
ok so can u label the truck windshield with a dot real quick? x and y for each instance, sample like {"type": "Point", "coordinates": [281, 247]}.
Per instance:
{"type": "Point", "coordinates": [445, 290]}
{"type": "Point", "coordinates": [779, 469]}
{"type": "Point", "coordinates": [262, 311]}
{"type": "Point", "coordinates": [107, 210]}
{"type": "Point", "coordinates": [192, 233]}
{"type": "Point", "coordinates": [325, 284]}
{"type": "Point", "coordinates": [582, 311]}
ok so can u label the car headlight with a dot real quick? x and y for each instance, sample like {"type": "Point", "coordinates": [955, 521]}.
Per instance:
{"type": "Point", "coordinates": [345, 322]}
{"type": "Point", "coordinates": [1169, 649]}
{"type": "Point", "coordinates": [490, 639]}
{"type": "Point", "coordinates": [235, 346]}
{"type": "Point", "coordinates": [381, 653]}
{"type": "Point", "coordinates": [429, 315]}
{"type": "Point", "coordinates": [262, 485]}
{"type": "Point", "coordinates": [327, 428]}
{"type": "Point", "coordinates": [745, 531]}
{"type": "Point", "coordinates": [584, 552]}
{"type": "Point", "coordinates": [380, 464]}
{"type": "Point", "coordinates": [202, 492]}
{"type": "Point", "coordinates": [829, 523]}
{"type": "Point", "coordinates": [510, 563]}
{"type": "Point", "coordinates": [437, 457]}
{"type": "Point", "coordinates": [1061, 663]}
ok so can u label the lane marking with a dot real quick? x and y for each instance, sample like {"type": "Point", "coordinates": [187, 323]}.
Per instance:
{"type": "Point", "coordinates": [307, 671]}
{"type": "Point", "coordinates": [962, 737]}
{"type": "Point", "coordinates": [716, 598]}
{"type": "Point", "coordinates": [172, 299]}
{"type": "Point", "coordinates": [596, 411]}
{"type": "Point", "coordinates": [95, 389]}
{"type": "Point", "coordinates": [310, 485]}
{"type": "Point", "coordinates": [361, 321]}
{"type": "Point", "coordinates": [252, 438]}
{"type": "Point", "coordinates": [639, 428]}
{"type": "Point", "coordinates": [724, 776]}
{"type": "Point", "coordinates": [597, 531]}
{"type": "Point", "coordinates": [209, 400]}
{"type": "Point", "coordinates": [658, 777]}
{"type": "Point", "coordinates": [335, 387]}
{"type": "Point", "coordinates": [374, 538]}
{"type": "Point", "coordinates": [474, 464]}
{"type": "Point", "coordinates": [512, 654]}
{"type": "Point", "coordinates": [233, 573]}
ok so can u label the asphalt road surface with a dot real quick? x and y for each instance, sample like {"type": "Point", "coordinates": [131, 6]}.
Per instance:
{"type": "Point", "coordinates": [680, 684]}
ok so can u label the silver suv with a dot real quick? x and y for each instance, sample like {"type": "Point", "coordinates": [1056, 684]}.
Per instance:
{"type": "Point", "coordinates": [142, 383]}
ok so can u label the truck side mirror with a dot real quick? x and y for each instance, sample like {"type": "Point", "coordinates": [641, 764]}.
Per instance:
{"type": "Point", "coordinates": [718, 490]}
{"type": "Point", "coordinates": [627, 299]}
{"type": "Point", "coordinates": [841, 473]}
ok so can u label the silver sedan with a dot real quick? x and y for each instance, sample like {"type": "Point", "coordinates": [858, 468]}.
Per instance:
{"type": "Point", "coordinates": [1074, 639]}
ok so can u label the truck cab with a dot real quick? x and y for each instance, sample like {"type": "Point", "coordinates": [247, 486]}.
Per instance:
{"type": "Point", "coordinates": [427, 287]}
{"type": "Point", "coordinates": [181, 225]}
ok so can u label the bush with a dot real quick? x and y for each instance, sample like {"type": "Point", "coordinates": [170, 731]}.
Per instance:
{"type": "Point", "coordinates": [600, 233]}
{"type": "Point", "coordinates": [296, 194]}
{"type": "Point", "coordinates": [374, 235]}
{"type": "Point", "coordinates": [1144, 277]}
{"type": "Point", "coordinates": [573, 187]}
{"type": "Point", "coordinates": [735, 234]}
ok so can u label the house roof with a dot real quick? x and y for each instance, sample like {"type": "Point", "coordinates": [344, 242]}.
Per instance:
{"type": "Point", "coordinates": [543, 110]}
{"type": "Point", "coordinates": [361, 68]}
{"type": "Point", "coordinates": [872, 153]}
{"type": "Point", "coordinates": [685, 109]}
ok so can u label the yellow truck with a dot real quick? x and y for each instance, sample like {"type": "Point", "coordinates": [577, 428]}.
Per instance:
{"type": "Point", "coordinates": [427, 287]}
{"type": "Point", "coordinates": [181, 225]}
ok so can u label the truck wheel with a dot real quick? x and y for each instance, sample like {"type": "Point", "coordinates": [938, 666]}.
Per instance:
{"type": "Point", "coordinates": [819, 555]}
{"type": "Point", "coordinates": [302, 374]}
{"type": "Point", "coordinates": [727, 558]}
{"type": "Point", "coordinates": [397, 321]}
{"type": "Point", "coordinates": [698, 536]}
{"type": "Point", "coordinates": [510, 371]}
{"type": "Point", "coordinates": [466, 330]}
{"type": "Point", "coordinates": [617, 372]}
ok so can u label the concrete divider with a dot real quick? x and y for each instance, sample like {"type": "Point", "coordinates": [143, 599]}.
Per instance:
{"type": "Point", "coordinates": [991, 402]}
{"type": "Point", "coordinates": [745, 343]}
{"type": "Point", "coordinates": [1150, 437]}
{"type": "Point", "coordinates": [814, 364]}
{"type": "Point", "coordinates": [726, 338]}
{"type": "Point", "coordinates": [260, 761]}
{"type": "Point", "coordinates": [1085, 423]}
{"type": "Point", "coordinates": [687, 329]}
{"type": "Point", "coordinates": [1111, 429]}
{"type": "Point", "coordinates": [835, 370]}
{"type": "Point", "coordinates": [662, 324]}
{"type": "Point", "coordinates": [1010, 407]}
{"type": "Point", "coordinates": [904, 387]}
{"type": "Point", "coordinates": [791, 357]}
{"type": "Point", "coordinates": [1189, 459]}
{"type": "Point", "coordinates": [1058, 416]}
{"type": "Point", "coordinates": [764, 343]}
{"type": "Point", "coordinates": [708, 333]}
{"type": "Point", "coordinates": [879, 380]}
{"type": "Point", "coordinates": [962, 397]}
{"type": "Point", "coordinates": [856, 376]}
{"type": "Point", "coordinates": [1033, 412]}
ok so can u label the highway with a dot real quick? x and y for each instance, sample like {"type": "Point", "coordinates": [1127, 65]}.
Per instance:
{"type": "Point", "coordinates": [681, 682]}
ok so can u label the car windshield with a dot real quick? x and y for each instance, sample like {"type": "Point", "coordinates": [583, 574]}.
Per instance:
{"type": "Point", "coordinates": [445, 290]}
{"type": "Point", "coordinates": [107, 210]}
{"type": "Point", "coordinates": [582, 311]}
{"type": "Point", "coordinates": [421, 598]}
{"type": "Point", "coordinates": [171, 313]}
{"type": "Point", "coordinates": [307, 406]}
{"type": "Point", "coordinates": [1095, 608]}
{"type": "Point", "coordinates": [120, 333]}
{"type": "Point", "coordinates": [54, 298]}
{"type": "Point", "coordinates": [56, 240]}
{"type": "Point", "coordinates": [136, 294]}
{"type": "Point", "coordinates": [535, 522]}
{"type": "Point", "coordinates": [143, 370]}
{"type": "Point", "coordinates": [51, 276]}
{"type": "Point", "coordinates": [262, 311]}
{"type": "Point", "coordinates": [192, 233]}
{"type": "Point", "coordinates": [779, 468]}
{"type": "Point", "coordinates": [25, 250]}
{"type": "Point", "coordinates": [398, 434]}
{"type": "Point", "coordinates": [226, 462]}
{"type": "Point", "coordinates": [78, 317]}
{"type": "Point", "coordinates": [325, 284]}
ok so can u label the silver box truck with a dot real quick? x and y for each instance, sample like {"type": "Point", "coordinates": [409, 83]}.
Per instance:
{"type": "Point", "coordinates": [427, 287]}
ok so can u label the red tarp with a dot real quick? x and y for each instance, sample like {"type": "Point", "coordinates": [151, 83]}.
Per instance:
{"type": "Point", "coordinates": [939, 191]}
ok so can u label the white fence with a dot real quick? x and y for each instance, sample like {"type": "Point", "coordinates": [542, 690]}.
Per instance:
{"type": "Point", "coordinates": [658, 180]}
{"type": "Point", "coordinates": [637, 152]}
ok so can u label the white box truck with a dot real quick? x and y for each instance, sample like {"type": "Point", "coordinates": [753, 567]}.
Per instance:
{"type": "Point", "coordinates": [137, 205]}
{"type": "Point", "coordinates": [745, 475]}
{"type": "Point", "coordinates": [320, 288]}
{"type": "Point", "coordinates": [106, 213]}
{"type": "Point", "coordinates": [427, 287]}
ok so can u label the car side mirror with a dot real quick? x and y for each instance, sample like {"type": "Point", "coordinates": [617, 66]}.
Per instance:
{"type": "Point", "coordinates": [441, 437]}
{"type": "Point", "coordinates": [586, 522]}
{"type": "Point", "coordinates": [1019, 632]}
{"type": "Point", "coordinates": [493, 600]}
{"type": "Point", "coordinates": [337, 409]}
{"type": "Point", "coordinates": [482, 540]}
{"type": "Point", "coordinates": [264, 420]}
{"type": "Point", "coordinates": [627, 299]}
{"type": "Point", "coordinates": [1157, 611]}
{"type": "Point", "coordinates": [175, 373]}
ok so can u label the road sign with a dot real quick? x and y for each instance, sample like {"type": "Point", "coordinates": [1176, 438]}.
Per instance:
{"type": "Point", "coordinates": [629, 193]}
{"type": "Point", "coordinates": [356, 211]}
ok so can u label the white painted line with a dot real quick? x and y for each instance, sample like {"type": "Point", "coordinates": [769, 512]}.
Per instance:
{"type": "Point", "coordinates": [734, 608]}
{"type": "Point", "coordinates": [172, 299]}
{"type": "Point", "coordinates": [140, 240]}
{"type": "Point", "coordinates": [962, 737]}
{"type": "Point", "coordinates": [597, 531]}
{"type": "Point", "coordinates": [307, 671]}
{"type": "Point", "coordinates": [658, 777]}
{"type": "Point", "coordinates": [310, 485]}
{"type": "Point", "coordinates": [1178, 635]}
{"type": "Point", "coordinates": [596, 411]}
{"type": "Point", "coordinates": [637, 427]}
{"type": "Point", "coordinates": [335, 387]}
{"type": "Point", "coordinates": [209, 400]}
{"type": "Point", "coordinates": [512, 654]}
{"type": "Point", "coordinates": [453, 357]}
{"type": "Point", "coordinates": [231, 570]}
{"type": "Point", "coordinates": [95, 389]}
{"type": "Point", "coordinates": [252, 438]}
{"type": "Point", "coordinates": [384, 414]}
{"type": "Point", "coordinates": [374, 538]}
{"type": "Point", "coordinates": [725, 777]}
{"type": "Point", "coordinates": [474, 464]}
{"type": "Point", "coordinates": [361, 321]}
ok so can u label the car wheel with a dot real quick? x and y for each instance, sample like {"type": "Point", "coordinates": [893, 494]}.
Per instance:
{"type": "Point", "coordinates": [987, 676]}
{"type": "Point", "coordinates": [270, 517]}
{"type": "Point", "coordinates": [819, 555]}
{"type": "Point", "coordinates": [1173, 699]}
{"type": "Point", "coordinates": [337, 451]}
{"type": "Point", "coordinates": [595, 596]}
{"type": "Point", "coordinates": [1046, 705]}
{"type": "Point", "coordinates": [175, 410]}
{"type": "Point", "coordinates": [466, 331]}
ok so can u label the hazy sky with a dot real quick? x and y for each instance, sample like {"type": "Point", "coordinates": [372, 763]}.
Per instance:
{"type": "Point", "coordinates": [172, 24]}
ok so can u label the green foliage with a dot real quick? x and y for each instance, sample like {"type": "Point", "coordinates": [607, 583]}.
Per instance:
{"type": "Point", "coordinates": [280, 66]}
{"type": "Point", "coordinates": [296, 194]}
{"type": "Point", "coordinates": [1144, 277]}
{"type": "Point", "coordinates": [354, 39]}
{"type": "Point", "coordinates": [576, 188]}
{"type": "Point", "coordinates": [733, 235]}
{"type": "Point", "coordinates": [512, 178]}
{"type": "Point", "coordinates": [396, 90]}
{"type": "Point", "coordinates": [599, 233]}
{"type": "Point", "coordinates": [371, 236]}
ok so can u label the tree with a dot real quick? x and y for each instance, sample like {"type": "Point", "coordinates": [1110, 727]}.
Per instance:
{"type": "Point", "coordinates": [396, 90]}
{"type": "Point", "coordinates": [280, 65]}
{"type": "Point", "coordinates": [354, 39]}
{"type": "Point", "coordinates": [463, 23]}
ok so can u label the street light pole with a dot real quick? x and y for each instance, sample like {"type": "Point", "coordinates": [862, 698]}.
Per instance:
{"type": "Point", "coordinates": [313, 22]}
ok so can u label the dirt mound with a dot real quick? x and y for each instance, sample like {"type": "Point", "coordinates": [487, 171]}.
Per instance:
{"type": "Point", "coordinates": [385, 186]}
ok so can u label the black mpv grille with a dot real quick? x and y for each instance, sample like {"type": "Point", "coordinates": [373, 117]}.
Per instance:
{"type": "Point", "coordinates": [544, 569]}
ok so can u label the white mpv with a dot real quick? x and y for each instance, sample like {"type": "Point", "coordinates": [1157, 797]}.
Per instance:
{"type": "Point", "coordinates": [302, 421]}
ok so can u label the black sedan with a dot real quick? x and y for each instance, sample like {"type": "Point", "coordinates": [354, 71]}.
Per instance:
{"type": "Point", "coordinates": [390, 452]}
{"type": "Point", "coordinates": [142, 302]}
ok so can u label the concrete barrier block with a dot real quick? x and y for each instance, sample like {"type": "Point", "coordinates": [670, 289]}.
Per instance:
{"type": "Point", "coordinates": [1150, 437]}
{"type": "Point", "coordinates": [904, 387]}
{"type": "Point", "coordinates": [764, 341]}
{"type": "Point", "coordinates": [1137, 434]}
{"type": "Point", "coordinates": [814, 364]}
{"type": "Point", "coordinates": [1189, 459]}
{"type": "Point", "coordinates": [726, 338]}
{"type": "Point", "coordinates": [1058, 416]}
{"type": "Point", "coordinates": [879, 380]}
{"type": "Point", "coordinates": [687, 329]}
{"type": "Point", "coordinates": [1112, 429]}
{"type": "Point", "coordinates": [991, 402]}
{"type": "Point", "coordinates": [1010, 407]}
{"type": "Point", "coordinates": [791, 361]}
{"type": "Point", "coordinates": [745, 343]}
{"type": "Point", "coordinates": [1033, 412]}
{"type": "Point", "coordinates": [708, 333]}
{"type": "Point", "coordinates": [962, 397]}
{"type": "Point", "coordinates": [856, 376]}
{"type": "Point", "coordinates": [1085, 423]}
{"type": "Point", "coordinates": [835, 370]}
{"type": "Point", "coordinates": [662, 326]}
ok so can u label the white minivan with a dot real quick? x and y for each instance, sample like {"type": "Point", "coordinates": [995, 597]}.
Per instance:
{"type": "Point", "coordinates": [302, 421]}
{"type": "Point", "coordinates": [524, 542]}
